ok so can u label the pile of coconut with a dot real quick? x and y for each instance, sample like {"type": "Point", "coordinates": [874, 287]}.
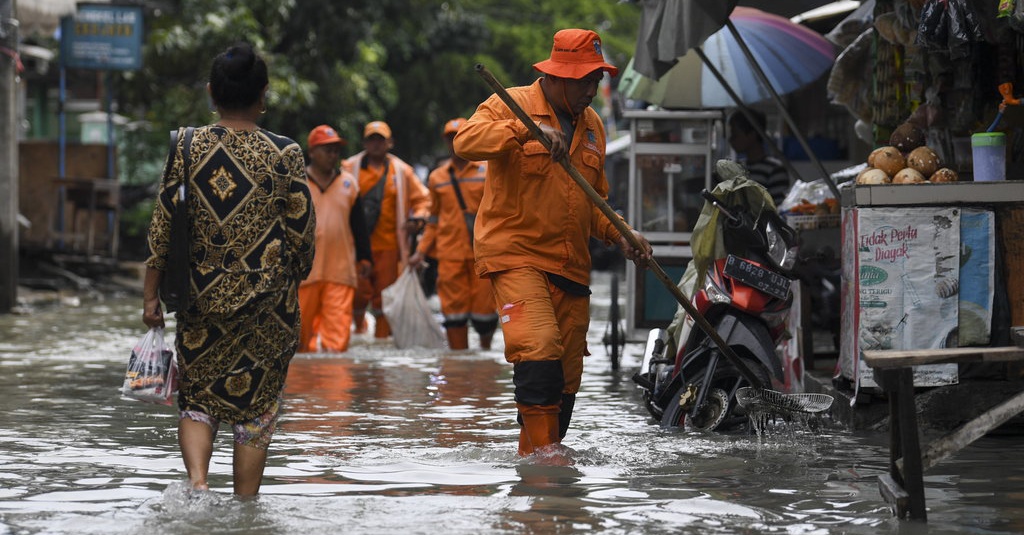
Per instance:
{"type": "Point", "coordinates": [906, 160]}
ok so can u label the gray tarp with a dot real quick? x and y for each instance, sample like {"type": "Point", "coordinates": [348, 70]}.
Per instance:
{"type": "Point", "coordinates": [669, 28]}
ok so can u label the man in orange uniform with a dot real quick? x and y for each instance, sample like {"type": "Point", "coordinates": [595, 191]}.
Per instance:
{"type": "Point", "coordinates": [325, 297]}
{"type": "Point", "coordinates": [534, 224]}
{"type": "Point", "coordinates": [395, 203]}
{"type": "Point", "coordinates": [456, 187]}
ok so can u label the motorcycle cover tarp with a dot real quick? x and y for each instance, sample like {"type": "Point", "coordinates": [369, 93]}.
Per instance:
{"type": "Point", "coordinates": [408, 313]}
{"type": "Point", "coordinates": [707, 243]}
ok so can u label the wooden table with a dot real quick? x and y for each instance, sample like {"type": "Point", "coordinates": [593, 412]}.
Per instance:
{"type": "Point", "coordinates": [903, 487]}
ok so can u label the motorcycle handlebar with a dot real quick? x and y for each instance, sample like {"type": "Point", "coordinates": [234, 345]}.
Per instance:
{"type": "Point", "coordinates": [718, 204]}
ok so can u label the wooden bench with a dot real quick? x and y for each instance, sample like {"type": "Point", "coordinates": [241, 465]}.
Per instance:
{"type": "Point", "coordinates": [903, 487]}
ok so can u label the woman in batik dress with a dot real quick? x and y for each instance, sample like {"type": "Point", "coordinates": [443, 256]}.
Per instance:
{"type": "Point", "coordinates": [251, 231]}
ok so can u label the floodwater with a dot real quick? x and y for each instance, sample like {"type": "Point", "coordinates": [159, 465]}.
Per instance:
{"type": "Point", "coordinates": [378, 440]}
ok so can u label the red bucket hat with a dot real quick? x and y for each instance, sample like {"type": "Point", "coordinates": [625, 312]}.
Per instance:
{"type": "Point", "coordinates": [575, 54]}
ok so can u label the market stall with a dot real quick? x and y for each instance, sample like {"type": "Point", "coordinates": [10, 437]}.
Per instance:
{"type": "Point", "coordinates": [930, 229]}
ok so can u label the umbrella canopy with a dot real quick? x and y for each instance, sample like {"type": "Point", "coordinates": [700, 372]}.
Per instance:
{"type": "Point", "coordinates": [791, 56]}
{"type": "Point", "coordinates": [669, 28]}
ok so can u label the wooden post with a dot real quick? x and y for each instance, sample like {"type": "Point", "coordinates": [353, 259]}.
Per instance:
{"type": "Point", "coordinates": [912, 474]}
{"type": "Point", "coordinates": [8, 159]}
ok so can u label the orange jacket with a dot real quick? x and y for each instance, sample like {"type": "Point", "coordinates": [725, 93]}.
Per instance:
{"type": "Point", "coordinates": [335, 258]}
{"type": "Point", "coordinates": [447, 236]}
{"type": "Point", "coordinates": [403, 189]}
{"type": "Point", "coordinates": [533, 213]}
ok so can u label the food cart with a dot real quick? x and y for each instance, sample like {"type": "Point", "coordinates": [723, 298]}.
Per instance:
{"type": "Point", "coordinates": [670, 161]}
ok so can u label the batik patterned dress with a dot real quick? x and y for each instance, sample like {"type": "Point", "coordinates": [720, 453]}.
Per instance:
{"type": "Point", "coordinates": [252, 230]}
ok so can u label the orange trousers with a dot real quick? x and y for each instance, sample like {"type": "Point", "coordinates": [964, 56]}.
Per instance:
{"type": "Point", "coordinates": [545, 331]}
{"type": "Point", "coordinates": [368, 298]}
{"type": "Point", "coordinates": [462, 292]}
{"type": "Point", "coordinates": [541, 322]}
{"type": "Point", "coordinates": [326, 311]}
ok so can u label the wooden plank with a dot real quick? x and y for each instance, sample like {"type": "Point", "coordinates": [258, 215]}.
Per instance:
{"type": "Point", "coordinates": [894, 495]}
{"type": "Point", "coordinates": [973, 430]}
{"type": "Point", "coordinates": [914, 357]}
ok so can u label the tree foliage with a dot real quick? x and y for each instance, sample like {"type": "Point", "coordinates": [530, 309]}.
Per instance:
{"type": "Point", "coordinates": [408, 62]}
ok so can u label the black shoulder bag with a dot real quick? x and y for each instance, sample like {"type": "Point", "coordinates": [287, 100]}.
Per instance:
{"type": "Point", "coordinates": [470, 217]}
{"type": "Point", "coordinates": [176, 280]}
{"type": "Point", "coordinates": [373, 198]}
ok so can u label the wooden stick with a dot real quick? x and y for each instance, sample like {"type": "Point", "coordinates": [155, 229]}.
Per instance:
{"type": "Point", "coordinates": [622, 227]}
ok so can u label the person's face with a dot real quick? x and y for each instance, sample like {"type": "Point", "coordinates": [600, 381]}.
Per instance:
{"type": "Point", "coordinates": [326, 155]}
{"type": "Point", "coordinates": [740, 140]}
{"type": "Point", "coordinates": [376, 145]}
{"type": "Point", "coordinates": [580, 93]}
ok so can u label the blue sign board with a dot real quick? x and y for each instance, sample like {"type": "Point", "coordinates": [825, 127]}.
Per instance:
{"type": "Point", "coordinates": [102, 37]}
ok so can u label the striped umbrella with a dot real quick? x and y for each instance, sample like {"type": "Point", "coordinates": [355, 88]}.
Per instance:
{"type": "Point", "coordinates": [790, 55]}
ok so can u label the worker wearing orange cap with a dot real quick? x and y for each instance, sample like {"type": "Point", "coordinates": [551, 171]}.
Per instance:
{"type": "Point", "coordinates": [342, 246]}
{"type": "Point", "coordinates": [534, 224]}
{"type": "Point", "coordinates": [456, 187]}
{"type": "Point", "coordinates": [396, 205]}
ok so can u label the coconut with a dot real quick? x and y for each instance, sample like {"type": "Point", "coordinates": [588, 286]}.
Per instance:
{"type": "Point", "coordinates": [907, 137]}
{"type": "Point", "coordinates": [944, 175]}
{"type": "Point", "coordinates": [888, 159]}
{"type": "Point", "coordinates": [908, 176]}
{"type": "Point", "coordinates": [871, 157]}
{"type": "Point", "coordinates": [872, 176]}
{"type": "Point", "coordinates": [924, 160]}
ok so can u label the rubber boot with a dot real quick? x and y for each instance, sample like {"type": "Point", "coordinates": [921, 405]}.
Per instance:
{"type": "Point", "coordinates": [485, 340]}
{"type": "Point", "coordinates": [458, 337]}
{"type": "Point", "coordinates": [565, 414]}
{"type": "Point", "coordinates": [381, 329]}
{"type": "Point", "coordinates": [540, 427]}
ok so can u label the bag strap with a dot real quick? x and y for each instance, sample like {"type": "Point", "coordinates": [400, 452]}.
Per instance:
{"type": "Point", "coordinates": [462, 203]}
{"type": "Point", "coordinates": [186, 161]}
{"type": "Point", "coordinates": [455, 184]}
{"type": "Point", "coordinates": [186, 157]}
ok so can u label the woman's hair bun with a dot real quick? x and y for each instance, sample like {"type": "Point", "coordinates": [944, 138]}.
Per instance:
{"type": "Point", "coordinates": [239, 61]}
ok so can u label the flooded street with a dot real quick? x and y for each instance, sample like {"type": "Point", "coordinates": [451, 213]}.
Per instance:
{"type": "Point", "coordinates": [378, 440]}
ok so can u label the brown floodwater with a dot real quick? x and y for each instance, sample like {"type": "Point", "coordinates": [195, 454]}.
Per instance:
{"type": "Point", "coordinates": [379, 440]}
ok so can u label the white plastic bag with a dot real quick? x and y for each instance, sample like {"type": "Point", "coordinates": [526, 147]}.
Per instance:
{"type": "Point", "coordinates": [408, 313]}
{"type": "Point", "coordinates": [152, 373]}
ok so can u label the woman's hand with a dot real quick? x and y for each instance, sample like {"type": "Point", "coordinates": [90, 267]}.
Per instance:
{"type": "Point", "coordinates": [152, 312]}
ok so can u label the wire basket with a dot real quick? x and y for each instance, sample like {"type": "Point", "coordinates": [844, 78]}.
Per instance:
{"type": "Point", "coordinates": [779, 403]}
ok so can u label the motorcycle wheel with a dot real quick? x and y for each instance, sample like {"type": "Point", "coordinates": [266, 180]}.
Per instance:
{"type": "Point", "coordinates": [719, 406]}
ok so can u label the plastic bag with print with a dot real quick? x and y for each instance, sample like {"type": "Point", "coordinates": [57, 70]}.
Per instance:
{"type": "Point", "coordinates": [152, 373]}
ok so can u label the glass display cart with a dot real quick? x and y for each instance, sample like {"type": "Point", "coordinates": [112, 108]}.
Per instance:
{"type": "Point", "coordinates": [671, 160]}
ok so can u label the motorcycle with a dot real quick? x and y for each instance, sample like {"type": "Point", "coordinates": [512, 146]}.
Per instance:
{"type": "Point", "coordinates": [745, 294]}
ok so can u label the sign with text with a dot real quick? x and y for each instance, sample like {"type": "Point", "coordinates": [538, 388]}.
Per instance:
{"type": "Point", "coordinates": [102, 37]}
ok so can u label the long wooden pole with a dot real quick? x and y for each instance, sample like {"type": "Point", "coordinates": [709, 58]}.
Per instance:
{"type": "Point", "coordinates": [622, 227]}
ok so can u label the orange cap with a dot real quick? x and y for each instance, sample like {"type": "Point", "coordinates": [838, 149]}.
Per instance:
{"type": "Point", "coordinates": [377, 127]}
{"type": "Point", "coordinates": [575, 54]}
{"type": "Point", "coordinates": [452, 126]}
{"type": "Point", "coordinates": [324, 135]}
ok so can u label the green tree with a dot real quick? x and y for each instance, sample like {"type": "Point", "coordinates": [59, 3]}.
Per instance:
{"type": "Point", "coordinates": [409, 62]}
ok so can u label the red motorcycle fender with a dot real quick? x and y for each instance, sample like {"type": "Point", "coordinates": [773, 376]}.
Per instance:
{"type": "Point", "coordinates": [747, 335]}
